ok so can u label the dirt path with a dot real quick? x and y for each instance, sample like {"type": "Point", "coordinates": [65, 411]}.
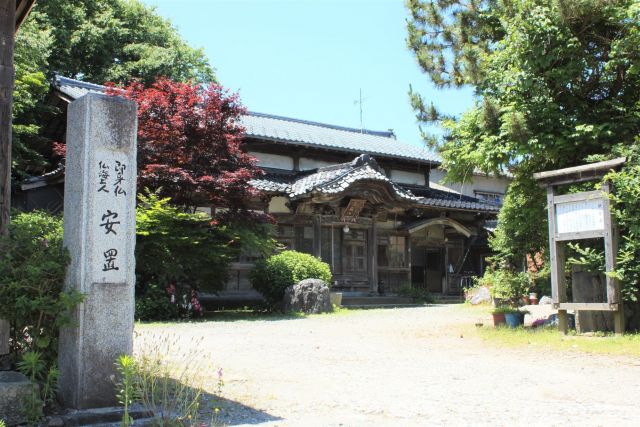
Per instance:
{"type": "Point", "coordinates": [409, 366]}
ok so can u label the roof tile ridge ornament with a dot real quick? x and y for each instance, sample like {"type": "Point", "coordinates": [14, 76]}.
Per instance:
{"type": "Point", "coordinates": [361, 161]}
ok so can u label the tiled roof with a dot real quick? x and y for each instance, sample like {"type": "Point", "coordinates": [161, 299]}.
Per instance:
{"type": "Point", "coordinates": [447, 199]}
{"type": "Point", "coordinates": [299, 132]}
{"type": "Point", "coordinates": [75, 89]}
{"type": "Point", "coordinates": [313, 134]}
{"type": "Point", "coordinates": [50, 177]}
{"type": "Point", "coordinates": [337, 178]}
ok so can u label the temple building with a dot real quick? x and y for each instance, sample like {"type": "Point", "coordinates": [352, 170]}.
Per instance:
{"type": "Point", "coordinates": [370, 206]}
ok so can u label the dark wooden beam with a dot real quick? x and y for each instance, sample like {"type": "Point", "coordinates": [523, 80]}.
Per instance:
{"type": "Point", "coordinates": [588, 172]}
{"type": "Point", "coordinates": [7, 32]}
{"type": "Point", "coordinates": [23, 7]}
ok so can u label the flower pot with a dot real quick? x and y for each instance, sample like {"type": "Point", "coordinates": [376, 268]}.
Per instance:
{"type": "Point", "coordinates": [514, 319]}
{"type": "Point", "coordinates": [498, 319]}
{"type": "Point", "coordinates": [533, 298]}
{"type": "Point", "coordinates": [335, 298]}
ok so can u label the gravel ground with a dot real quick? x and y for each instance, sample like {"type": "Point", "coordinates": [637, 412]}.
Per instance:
{"type": "Point", "coordinates": [397, 367]}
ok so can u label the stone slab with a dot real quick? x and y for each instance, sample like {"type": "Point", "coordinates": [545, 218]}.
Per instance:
{"type": "Point", "coordinates": [99, 232]}
{"type": "Point", "coordinates": [14, 388]}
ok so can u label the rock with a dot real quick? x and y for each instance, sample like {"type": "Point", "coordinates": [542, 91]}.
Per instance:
{"type": "Point", "coordinates": [545, 300]}
{"type": "Point", "coordinates": [479, 295]}
{"type": "Point", "coordinates": [14, 389]}
{"type": "Point", "coordinates": [308, 296]}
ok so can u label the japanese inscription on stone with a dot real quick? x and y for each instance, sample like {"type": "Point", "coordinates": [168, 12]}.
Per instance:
{"type": "Point", "coordinates": [111, 181]}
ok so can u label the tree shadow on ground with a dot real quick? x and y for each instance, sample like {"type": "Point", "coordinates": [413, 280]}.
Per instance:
{"type": "Point", "coordinates": [216, 410]}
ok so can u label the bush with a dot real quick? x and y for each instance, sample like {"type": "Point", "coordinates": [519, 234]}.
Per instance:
{"type": "Point", "coordinates": [32, 270]}
{"type": "Point", "coordinates": [179, 254]}
{"type": "Point", "coordinates": [273, 275]}
{"type": "Point", "coordinates": [506, 285]}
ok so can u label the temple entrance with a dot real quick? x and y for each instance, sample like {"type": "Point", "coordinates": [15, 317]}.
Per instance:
{"type": "Point", "coordinates": [427, 268]}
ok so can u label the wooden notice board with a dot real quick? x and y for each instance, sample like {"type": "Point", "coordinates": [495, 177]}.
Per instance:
{"type": "Point", "coordinates": [578, 216]}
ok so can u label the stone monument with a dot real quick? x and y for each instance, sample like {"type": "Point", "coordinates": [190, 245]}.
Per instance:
{"type": "Point", "coordinates": [99, 232]}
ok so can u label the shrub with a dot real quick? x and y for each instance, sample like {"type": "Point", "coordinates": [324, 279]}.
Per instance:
{"type": "Point", "coordinates": [273, 275]}
{"type": "Point", "coordinates": [32, 270]}
{"type": "Point", "coordinates": [179, 254]}
{"type": "Point", "coordinates": [154, 303]}
{"type": "Point", "coordinates": [506, 285]}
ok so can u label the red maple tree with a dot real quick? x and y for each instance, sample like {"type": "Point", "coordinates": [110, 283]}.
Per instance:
{"type": "Point", "coordinates": [189, 139]}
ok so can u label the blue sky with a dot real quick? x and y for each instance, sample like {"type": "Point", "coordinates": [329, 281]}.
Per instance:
{"type": "Point", "coordinates": [308, 59]}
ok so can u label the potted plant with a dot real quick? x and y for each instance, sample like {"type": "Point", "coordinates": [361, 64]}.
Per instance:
{"type": "Point", "coordinates": [498, 315]}
{"type": "Point", "coordinates": [514, 317]}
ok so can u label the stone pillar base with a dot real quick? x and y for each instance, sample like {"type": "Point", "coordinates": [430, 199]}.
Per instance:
{"type": "Point", "coordinates": [14, 388]}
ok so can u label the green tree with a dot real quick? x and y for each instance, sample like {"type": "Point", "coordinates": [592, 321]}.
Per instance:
{"type": "Point", "coordinates": [556, 81]}
{"type": "Point", "coordinates": [117, 40]}
{"type": "Point", "coordinates": [32, 51]}
{"type": "Point", "coordinates": [95, 41]}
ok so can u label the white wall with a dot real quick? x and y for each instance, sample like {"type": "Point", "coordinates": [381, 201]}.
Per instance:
{"type": "Point", "coordinates": [306, 163]}
{"type": "Point", "coordinates": [404, 177]}
{"type": "Point", "coordinates": [275, 161]}
{"type": "Point", "coordinates": [490, 184]}
{"type": "Point", "coordinates": [278, 205]}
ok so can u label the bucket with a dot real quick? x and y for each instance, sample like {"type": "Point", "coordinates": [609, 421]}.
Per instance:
{"type": "Point", "coordinates": [514, 319]}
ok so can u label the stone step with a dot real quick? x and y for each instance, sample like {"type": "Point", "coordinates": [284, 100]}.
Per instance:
{"type": "Point", "coordinates": [376, 300]}
{"type": "Point", "coordinates": [448, 299]}
{"type": "Point", "coordinates": [371, 306]}
{"type": "Point", "coordinates": [100, 417]}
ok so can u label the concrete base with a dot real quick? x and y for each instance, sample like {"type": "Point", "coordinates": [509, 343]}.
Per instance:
{"type": "Point", "coordinates": [14, 389]}
{"type": "Point", "coordinates": [111, 416]}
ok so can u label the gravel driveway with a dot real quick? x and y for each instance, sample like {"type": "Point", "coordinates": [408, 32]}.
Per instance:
{"type": "Point", "coordinates": [397, 367]}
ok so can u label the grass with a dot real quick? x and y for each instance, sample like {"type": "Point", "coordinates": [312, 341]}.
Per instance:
{"type": "Point", "coordinates": [549, 338]}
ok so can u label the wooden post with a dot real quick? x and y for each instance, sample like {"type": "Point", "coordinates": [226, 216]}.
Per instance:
{"type": "Point", "coordinates": [557, 260]}
{"type": "Point", "coordinates": [7, 31]}
{"type": "Point", "coordinates": [373, 257]}
{"type": "Point", "coordinates": [610, 251]}
{"type": "Point", "coordinates": [317, 236]}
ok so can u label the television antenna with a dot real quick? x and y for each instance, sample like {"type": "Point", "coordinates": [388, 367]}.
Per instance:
{"type": "Point", "coordinates": [359, 102]}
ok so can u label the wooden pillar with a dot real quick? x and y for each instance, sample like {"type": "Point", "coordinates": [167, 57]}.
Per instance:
{"type": "Point", "coordinates": [614, 296]}
{"type": "Point", "coordinates": [7, 31]}
{"type": "Point", "coordinates": [445, 281]}
{"type": "Point", "coordinates": [372, 254]}
{"type": "Point", "coordinates": [317, 236]}
{"type": "Point", "coordinates": [557, 260]}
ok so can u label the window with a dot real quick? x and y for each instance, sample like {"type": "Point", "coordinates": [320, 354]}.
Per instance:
{"type": "Point", "coordinates": [304, 239]}
{"type": "Point", "coordinates": [356, 257]}
{"type": "Point", "coordinates": [487, 196]}
{"type": "Point", "coordinates": [392, 251]}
